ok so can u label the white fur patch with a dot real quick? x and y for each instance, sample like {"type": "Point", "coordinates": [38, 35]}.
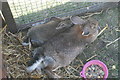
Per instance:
{"type": "Point", "coordinates": [25, 44]}
{"type": "Point", "coordinates": [34, 66]}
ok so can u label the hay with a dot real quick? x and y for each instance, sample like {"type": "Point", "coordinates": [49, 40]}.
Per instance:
{"type": "Point", "coordinates": [111, 42]}
{"type": "Point", "coordinates": [15, 55]}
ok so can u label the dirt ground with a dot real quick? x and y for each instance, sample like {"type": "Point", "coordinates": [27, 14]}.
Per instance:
{"type": "Point", "coordinates": [16, 56]}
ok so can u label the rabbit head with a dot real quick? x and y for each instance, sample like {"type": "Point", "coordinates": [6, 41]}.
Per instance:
{"type": "Point", "coordinates": [64, 23]}
{"type": "Point", "coordinates": [88, 29]}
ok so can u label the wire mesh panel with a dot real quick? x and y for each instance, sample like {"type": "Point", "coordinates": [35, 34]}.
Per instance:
{"type": "Point", "coordinates": [25, 11]}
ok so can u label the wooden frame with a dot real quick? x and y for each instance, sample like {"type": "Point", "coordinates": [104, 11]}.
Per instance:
{"type": "Point", "coordinates": [11, 25]}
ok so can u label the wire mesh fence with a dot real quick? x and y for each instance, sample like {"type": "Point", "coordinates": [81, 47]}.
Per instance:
{"type": "Point", "coordinates": [26, 11]}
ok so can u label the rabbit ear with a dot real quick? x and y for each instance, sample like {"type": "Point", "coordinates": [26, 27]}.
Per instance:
{"type": "Point", "coordinates": [56, 19]}
{"type": "Point", "coordinates": [77, 20]}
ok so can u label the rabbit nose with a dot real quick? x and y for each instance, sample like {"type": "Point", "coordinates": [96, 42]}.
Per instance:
{"type": "Point", "coordinates": [85, 33]}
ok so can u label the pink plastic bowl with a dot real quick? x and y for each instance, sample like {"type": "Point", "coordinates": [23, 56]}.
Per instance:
{"type": "Point", "coordinates": [96, 62]}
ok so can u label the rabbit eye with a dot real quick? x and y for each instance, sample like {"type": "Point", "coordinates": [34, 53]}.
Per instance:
{"type": "Point", "coordinates": [86, 33]}
{"type": "Point", "coordinates": [60, 26]}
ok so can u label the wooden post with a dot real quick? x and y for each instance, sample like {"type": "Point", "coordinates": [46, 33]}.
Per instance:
{"type": "Point", "coordinates": [2, 21]}
{"type": "Point", "coordinates": [11, 25]}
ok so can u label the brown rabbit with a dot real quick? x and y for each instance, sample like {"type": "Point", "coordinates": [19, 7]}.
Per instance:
{"type": "Point", "coordinates": [39, 34]}
{"type": "Point", "coordinates": [62, 49]}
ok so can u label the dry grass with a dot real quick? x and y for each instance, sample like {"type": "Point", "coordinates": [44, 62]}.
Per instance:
{"type": "Point", "coordinates": [15, 55]}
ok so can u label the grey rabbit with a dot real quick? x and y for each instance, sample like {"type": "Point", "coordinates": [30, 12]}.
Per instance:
{"type": "Point", "coordinates": [39, 34]}
{"type": "Point", "coordinates": [62, 49]}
